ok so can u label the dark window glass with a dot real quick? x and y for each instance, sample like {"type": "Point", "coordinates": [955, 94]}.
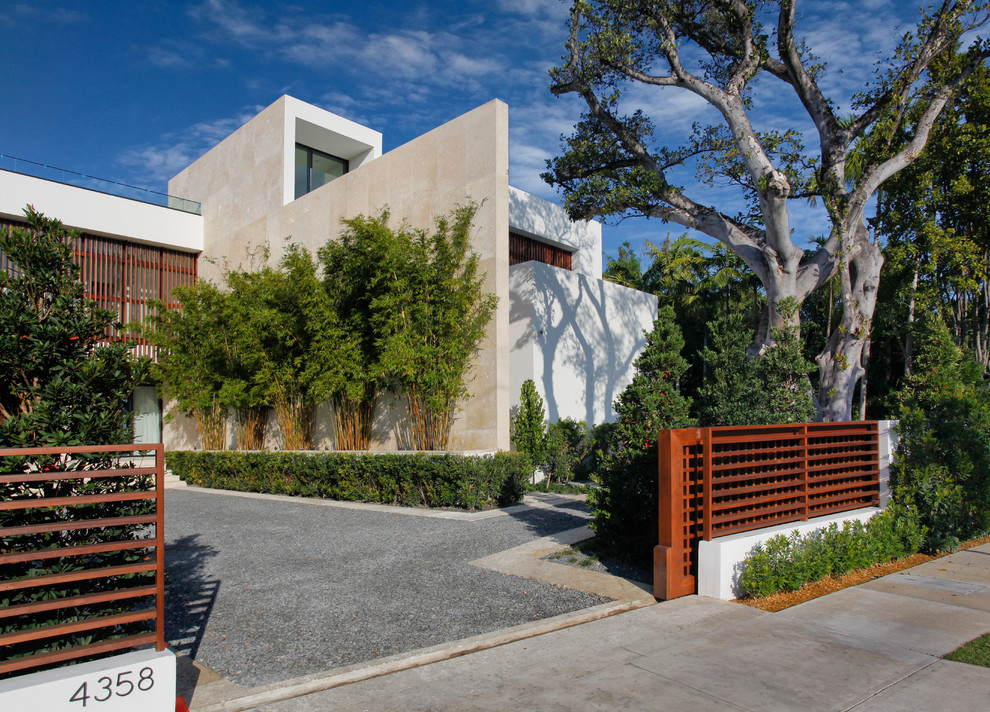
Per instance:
{"type": "Point", "coordinates": [315, 168]}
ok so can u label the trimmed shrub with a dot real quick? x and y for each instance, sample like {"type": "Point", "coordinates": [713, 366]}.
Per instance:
{"type": "Point", "coordinates": [413, 480]}
{"type": "Point", "coordinates": [786, 563]}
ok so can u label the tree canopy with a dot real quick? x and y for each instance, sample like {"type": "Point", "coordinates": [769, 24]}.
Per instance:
{"type": "Point", "coordinates": [716, 50]}
{"type": "Point", "coordinates": [63, 380]}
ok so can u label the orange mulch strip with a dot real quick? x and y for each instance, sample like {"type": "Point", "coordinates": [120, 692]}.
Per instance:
{"type": "Point", "coordinates": [830, 584]}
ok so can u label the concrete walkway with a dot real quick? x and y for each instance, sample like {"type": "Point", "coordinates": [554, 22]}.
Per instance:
{"type": "Point", "coordinates": [878, 646]}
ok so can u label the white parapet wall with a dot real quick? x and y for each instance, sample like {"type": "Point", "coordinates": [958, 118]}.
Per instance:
{"type": "Point", "coordinates": [720, 560]}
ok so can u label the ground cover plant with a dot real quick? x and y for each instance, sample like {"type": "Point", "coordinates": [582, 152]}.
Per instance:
{"type": "Point", "coordinates": [975, 652]}
{"type": "Point", "coordinates": [412, 479]}
{"type": "Point", "coordinates": [786, 563]}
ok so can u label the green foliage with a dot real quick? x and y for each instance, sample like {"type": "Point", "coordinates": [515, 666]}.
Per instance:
{"type": "Point", "coordinates": [560, 455]}
{"type": "Point", "coordinates": [943, 454]}
{"type": "Point", "coordinates": [935, 218]}
{"type": "Point", "coordinates": [529, 423]}
{"type": "Point", "coordinates": [401, 309]}
{"type": "Point", "coordinates": [414, 480]}
{"type": "Point", "coordinates": [431, 318]}
{"type": "Point", "coordinates": [626, 270]}
{"type": "Point", "coordinates": [196, 365]}
{"type": "Point", "coordinates": [769, 389]}
{"type": "Point", "coordinates": [626, 506]}
{"type": "Point", "coordinates": [785, 563]}
{"type": "Point", "coordinates": [278, 317]}
{"type": "Point", "coordinates": [60, 382]}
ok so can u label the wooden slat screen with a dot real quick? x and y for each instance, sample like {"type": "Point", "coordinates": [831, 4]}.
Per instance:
{"type": "Point", "coordinates": [82, 563]}
{"type": "Point", "coordinates": [526, 249]}
{"type": "Point", "coordinates": [123, 277]}
{"type": "Point", "coordinates": [747, 478]}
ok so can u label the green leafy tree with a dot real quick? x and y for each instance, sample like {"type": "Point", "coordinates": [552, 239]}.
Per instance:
{"type": "Point", "coordinates": [282, 319]}
{"type": "Point", "coordinates": [773, 388]}
{"type": "Point", "coordinates": [62, 382]}
{"type": "Point", "coordinates": [529, 424]}
{"type": "Point", "coordinates": [943, 455]}
{"type": "Point", "coordinates": [431, 319]}
{"type": "Point", "coordinates": [626, 269]}
{"type": "Point", "coordinates": [354, 268]}
{"type": "Point", "coordinates": [613, 164]}
{"type": "Point", "coordinates": [195, 358]}
{"type": "Point", "coordinates": [935, 217]}
{"type": "Point", "coordinates": [626, 505]}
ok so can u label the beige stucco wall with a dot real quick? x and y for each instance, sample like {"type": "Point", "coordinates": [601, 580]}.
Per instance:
{"type": "Point", "coordinates": [239, 183]}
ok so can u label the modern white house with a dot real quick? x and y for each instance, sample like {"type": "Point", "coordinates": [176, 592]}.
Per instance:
{"type": "Point", "coordinates": [295, 172]}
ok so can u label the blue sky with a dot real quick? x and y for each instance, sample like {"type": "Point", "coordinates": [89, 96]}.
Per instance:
{"type": "Point", "coordinates": [135, 91]}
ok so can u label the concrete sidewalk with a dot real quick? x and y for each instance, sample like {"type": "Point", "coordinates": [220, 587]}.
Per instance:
{"type": "Point", "coordinates": [874, 647]}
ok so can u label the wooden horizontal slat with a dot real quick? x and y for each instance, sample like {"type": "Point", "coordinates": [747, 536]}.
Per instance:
{"type": "Point", "coordinates": [59, 552]}
{"type": "Point", "coordinates": [90, 623]}
{"type": "Point", "coordinates": [47, 502]}
{"type": "Point", "coordinates": [79, 651]}
{"type": "Point", "coordinates": [87, 599]}
{"type": "Point", "coordinates": [75, 475]}
{"type": "Point", "coordinates": [72, 526]}
{"type": "Point", "coordinates": [71, 576]}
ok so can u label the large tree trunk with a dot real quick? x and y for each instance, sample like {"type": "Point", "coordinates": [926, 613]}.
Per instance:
{"type": "Point", "coordinates": [841, 362]}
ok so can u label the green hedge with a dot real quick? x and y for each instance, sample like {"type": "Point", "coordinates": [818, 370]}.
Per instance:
{"type": "Point", "coordinates": [415, 480]}
{"type": "Point", "coordinates": [785, 563]}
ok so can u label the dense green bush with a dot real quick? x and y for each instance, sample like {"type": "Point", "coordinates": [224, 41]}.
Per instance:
{"type": "Point", "coordinates": [415, 480]}
{"type": "Point", "coordinates": [626, 506]}
{"type": "Point", "coordinates": [786, 563]}
{"type": "Point", "coordinates": [943, 456]}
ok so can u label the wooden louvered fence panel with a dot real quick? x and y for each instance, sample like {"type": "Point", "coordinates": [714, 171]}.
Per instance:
{"type": "Point", "coordinates": [720, 481]}
{"type": "Point", "coordinates": [81, 554]}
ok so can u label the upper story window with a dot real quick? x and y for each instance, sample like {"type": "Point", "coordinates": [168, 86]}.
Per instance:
{"type": "Point", "coordinates": [314, 168]}
{"type": "Point", "coordinates": [524, 249]}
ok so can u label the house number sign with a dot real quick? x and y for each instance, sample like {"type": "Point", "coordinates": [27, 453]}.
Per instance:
{"type": "Point", "coordinates": [144, 680]}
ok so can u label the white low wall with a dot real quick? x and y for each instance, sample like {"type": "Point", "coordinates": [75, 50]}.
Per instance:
{"type": "Point", "coordinates": [720, 560]}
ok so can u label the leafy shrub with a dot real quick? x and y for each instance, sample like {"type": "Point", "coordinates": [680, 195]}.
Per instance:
{"type": "Point", "coordinates": [785, 563]}
{"type": "Point", "coordinates": [943, 456]}
{"type": "Point", "coordinates": [626, 507]}
{"type": "Point", "coordinates": [414, 480]}
{"type": "Point", "coordinates": [529, 424]}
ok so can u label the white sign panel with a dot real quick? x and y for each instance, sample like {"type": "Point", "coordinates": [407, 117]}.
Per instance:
{"type": "Point", "coordinates": [143, 680]}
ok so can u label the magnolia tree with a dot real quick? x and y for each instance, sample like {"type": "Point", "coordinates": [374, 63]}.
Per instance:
{"type": "Point", "coordinates": [716, 50]}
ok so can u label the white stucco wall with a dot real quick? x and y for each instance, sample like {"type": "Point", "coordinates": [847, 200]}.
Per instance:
{"type": "Point", "coordinates": [99, 213]}
{"type": "Point", "coordinates": [576, 337]}
{"type": "Point", "coordinates": [543, 220]}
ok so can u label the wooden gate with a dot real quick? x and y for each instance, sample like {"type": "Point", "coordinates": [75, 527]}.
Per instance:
{"type": "Point", "coordinates": [81, 554]}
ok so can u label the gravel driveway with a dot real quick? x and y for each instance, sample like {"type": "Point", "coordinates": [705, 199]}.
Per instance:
{"type": "Point", "coordinates": [263, 590]}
